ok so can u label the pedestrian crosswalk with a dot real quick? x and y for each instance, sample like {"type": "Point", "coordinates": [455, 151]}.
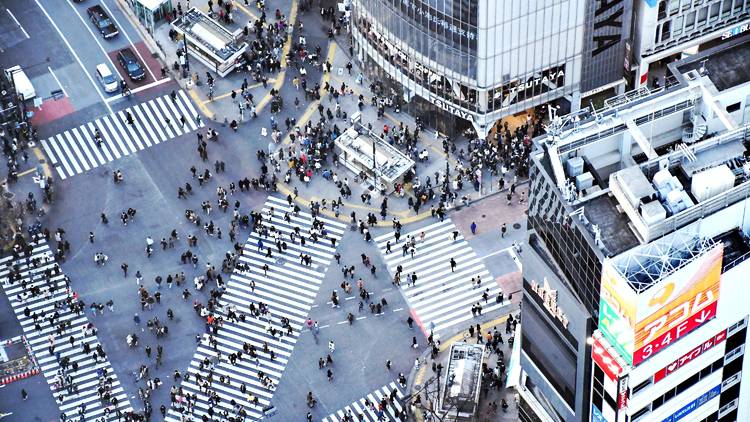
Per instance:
{"type": "Point", "coordinates": [287, 288]}
{"type": "Point", "coordinates": [441, 297]}
{"type": "Point", "coordinates": [75, 151]}
{"type": "Point", "coordinates": [383, 404]}
{"type": "Point", "coordinates": [83, 384]}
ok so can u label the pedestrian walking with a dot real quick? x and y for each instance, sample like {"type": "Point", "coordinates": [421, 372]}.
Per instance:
{"type": "Point", "coordinates": [473, 227]}
{"type": "Point", "coordinates": [503, 229]}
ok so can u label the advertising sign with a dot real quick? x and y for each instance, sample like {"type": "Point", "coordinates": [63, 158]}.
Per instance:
{"type": "Point", "coordinates": [605, 361]}
{"type": "Point", "coordinates": [617, 312]}
{"type": "Point", "coordinates": [690, 407]}
{"type": "Point", "coordinates": [678, 301]}
{"type": "Point", "coordinates": [690, 356]}
{"type": "Point", "coordinates": [640, 325]}
{"type": "Point", "coordinates": [674, 334]}
{"type": "Point", "coordinates": [622, 392]}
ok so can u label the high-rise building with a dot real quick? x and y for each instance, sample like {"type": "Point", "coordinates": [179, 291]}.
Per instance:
{"type": "Point", "coordinates": [667, 30]}
{"type": "Point", "coordinates": [468, 63]}
{"type": "Point", "coordinates": [634, 293]}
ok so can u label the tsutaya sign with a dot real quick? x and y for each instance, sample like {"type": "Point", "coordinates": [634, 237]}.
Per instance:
{"type": "Point", "coordinates": [549, 299]}
{"type": "Point", "coordinates": [450, 108]}
{"type": "Point", "coordinates": [535, 85]}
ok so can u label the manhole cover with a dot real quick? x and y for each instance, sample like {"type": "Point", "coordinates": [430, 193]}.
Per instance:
{"type": "Point", "coordinates": [484, 216]}
{"type": "Point", "coordinates": [280, 261]}
{"type": "Point", "coordinates": [516, 226]}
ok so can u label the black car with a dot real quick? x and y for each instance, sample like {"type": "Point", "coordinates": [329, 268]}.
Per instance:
{"type": "Point", "coordinates": [129, 61]}
{"type": "Point", "coordinates": [102, 22]}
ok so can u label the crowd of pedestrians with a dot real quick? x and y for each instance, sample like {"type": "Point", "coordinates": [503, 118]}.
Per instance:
{"type": "Point", "coordinates": [301, 153]}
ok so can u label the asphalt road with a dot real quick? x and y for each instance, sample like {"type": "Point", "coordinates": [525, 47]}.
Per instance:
{"type": "Point", "coordinates": [152, 176]}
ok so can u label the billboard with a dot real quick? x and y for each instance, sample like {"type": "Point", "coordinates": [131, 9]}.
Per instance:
{"type": "Point", "coordinates": [690, 356]}
{"type": "Point", "coordinates": [617, 312]}
{"type": "Point", "coordinates": [640, 325]}
{"type": "Point", "coordinates": [605, 360]}
{"type": "Point", "coordinates": [678, 304]}
{"type": "Point", "coordinates": [693, 405]}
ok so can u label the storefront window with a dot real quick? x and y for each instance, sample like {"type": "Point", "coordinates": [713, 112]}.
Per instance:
{"type": "Point", "coordinates": [443, 87]}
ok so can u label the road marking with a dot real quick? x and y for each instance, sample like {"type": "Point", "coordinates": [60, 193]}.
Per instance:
{"type": "Point", "coordinates": [141, 88]}
{"type": "Point", "coordinates": [112, 16]}
{"type": "Point", "coordinates": [239, 95]}
{"type": "Point", "coordinates": [96, 38]}
{"type": "Point", "coordinates": [18, 23]}
{"type": "Point", "coordinates": [200, 104]}
{"type": "Point", "coordinates": [509, 249]}
{"type": "Point", "coordinates": [398, 309]}
{"type": "Point", "coordinates": [246, 10]}
{"type": "Point", "coordinates": [58, 81]}
{"type": "Point", "coordinates": [75, 55]}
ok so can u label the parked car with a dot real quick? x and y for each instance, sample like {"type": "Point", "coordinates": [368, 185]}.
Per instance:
{"type": "Point", "coordinates": [102, 22]}
{"type": "Point", "coordinates": [107, 78]}
{"type": "Point", "coordinates": [129, 62]}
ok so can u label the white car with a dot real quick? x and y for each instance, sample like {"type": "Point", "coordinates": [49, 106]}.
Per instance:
{"type": "Point", "coordinates": [107, 78]}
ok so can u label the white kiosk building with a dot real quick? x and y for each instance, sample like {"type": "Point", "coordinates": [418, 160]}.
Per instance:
{"type": "Point", "coordinates": [209, 42]}
{"type": "Point", "coordinates": [360, 150]}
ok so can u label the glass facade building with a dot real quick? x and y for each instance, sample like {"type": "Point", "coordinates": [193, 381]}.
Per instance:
{"type": "Point", "coordinates": [480, 60]}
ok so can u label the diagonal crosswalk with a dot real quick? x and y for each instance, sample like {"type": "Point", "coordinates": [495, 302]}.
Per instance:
{"type": "Point", "coordinates": [383, 404]}
{"type": "Point", "coordinates": [441, 298]}
{"type": "Point", "coordinates": [287, 289]}
{"type": "Point", "coordinates": [158, 120]}
{"type": "Point", "coordinates": [41, 289]}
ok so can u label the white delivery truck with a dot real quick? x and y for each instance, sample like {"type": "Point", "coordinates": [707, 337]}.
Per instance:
{"type": "Point", "coordinates": [21, 82]}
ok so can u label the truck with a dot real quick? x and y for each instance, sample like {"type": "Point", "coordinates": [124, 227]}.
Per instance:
{"type": "Point", "coordinates": [23, 85]}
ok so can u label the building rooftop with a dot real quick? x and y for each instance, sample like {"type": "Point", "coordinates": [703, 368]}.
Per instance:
{"type": "Point", "coordinates": [653, 161]}
{"type": "Point", "coordinates": [726, 67]}
{"type": "Point", "coordinates": [209, 33]}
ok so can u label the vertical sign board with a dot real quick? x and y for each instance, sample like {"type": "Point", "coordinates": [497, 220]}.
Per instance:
{"type": "Point", "coordinates": [622, 392]}
{"type": "Point", "coordinates": [617, 312]}
{"type": "Point", "coordinates": [607, 28]}
{"type": "Point", "coordinates": [678, 304]}
{"type": "Point", "coordinates": [605, 361]}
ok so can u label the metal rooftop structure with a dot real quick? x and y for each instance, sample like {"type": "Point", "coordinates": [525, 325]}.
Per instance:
{"type": "Point", "coordinates": [650, 264]}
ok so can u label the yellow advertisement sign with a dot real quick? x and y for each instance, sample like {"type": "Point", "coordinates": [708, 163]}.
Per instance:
{"type": "Point", "coordinates": [678, 296]}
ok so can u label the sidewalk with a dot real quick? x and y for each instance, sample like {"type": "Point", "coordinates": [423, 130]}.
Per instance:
{"type": "Point", "coordinates": [423, 381]}
{"type": "Point", "coordinates": [338, 56]}
{"type": "Point", "coordinates": [221, 109]}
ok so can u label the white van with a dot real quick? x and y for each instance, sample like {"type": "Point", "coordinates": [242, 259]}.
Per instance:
{"type": "Point", "coordinates": [106, 78]}
{"type": "Point", "coordinates": [21, 82]}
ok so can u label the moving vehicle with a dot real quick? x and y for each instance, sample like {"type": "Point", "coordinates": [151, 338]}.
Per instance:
{"type": "Point", "coordinates": [129, 62]}
{"type": "Point", "coordinates": [102, 22]}
{"type": "Point", "coordinates": [23, 85]}
{"type": "Point", "coordinates": [107, 78]}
